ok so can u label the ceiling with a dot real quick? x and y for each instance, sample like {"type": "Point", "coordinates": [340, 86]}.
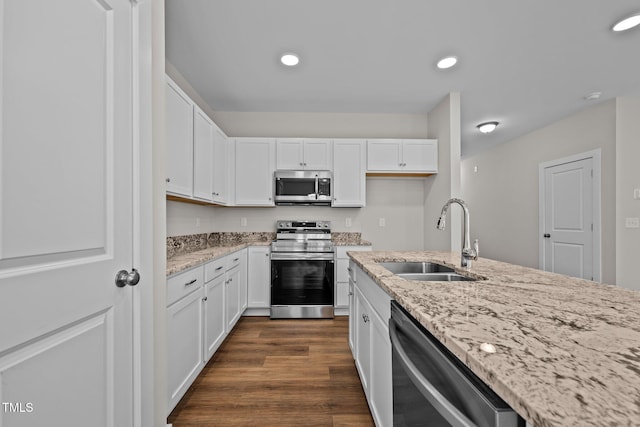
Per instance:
{"type": "Point", "coordinates": [525, 64]}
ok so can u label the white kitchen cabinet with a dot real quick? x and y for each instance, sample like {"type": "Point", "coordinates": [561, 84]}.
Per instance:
{"type": "Point", "coordinates": [349, 173]}
{"type": "Point", "coordinates": [232, 292]}
{"type": "Point", "coordinates": [254, 167]}
{"type": "Point", "coordinates": [221, 170]}
{"type": "Point", "coordinates": [203, 148]}
{"type": "Point", "coordinates": [214, 315]}
{"type": "Point", "coordinates": [259, 277]}
{"type": "Point", "coordinates": [179, 140]}
{"type": "Point", "coordinates": [307, 153]}
{"type": "Point", "coordinates": [342, 273]}
{"type": "Point", "coordinates": [402, 155]}
{"type": "Point", "coordinates": [243, 280]}
{"type": "Point", "coordinates": [184, 332]}
{"type": "Point", "coordinates": [371, 345]}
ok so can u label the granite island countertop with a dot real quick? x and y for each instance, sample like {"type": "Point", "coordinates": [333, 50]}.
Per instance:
{"type": "Point", "coordinates": [568, 350]}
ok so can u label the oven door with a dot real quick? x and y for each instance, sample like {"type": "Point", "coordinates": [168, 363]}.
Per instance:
{"type": "Point", "coordinates": [302, 285]}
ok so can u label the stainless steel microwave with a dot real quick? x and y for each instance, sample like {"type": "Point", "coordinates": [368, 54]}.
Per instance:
{"type": "Point", "coordinates": [302, 187]}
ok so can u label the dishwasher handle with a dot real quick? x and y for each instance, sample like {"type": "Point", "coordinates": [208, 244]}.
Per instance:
{"type": "Point", "coordinates": [431, 393]}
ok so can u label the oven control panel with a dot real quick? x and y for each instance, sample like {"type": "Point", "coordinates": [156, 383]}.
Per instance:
{"type": "Point", "coordinates": [303, 225]}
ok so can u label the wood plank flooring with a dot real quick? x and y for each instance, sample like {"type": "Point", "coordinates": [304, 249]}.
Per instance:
{"type": "Point", "coordinates": [278, 373]}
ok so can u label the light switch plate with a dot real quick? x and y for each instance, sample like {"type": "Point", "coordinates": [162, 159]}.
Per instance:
{"type": "Point", "coordinates": [632, 222]}
{"type": "Point", "coordinates": [347, 222]}
{"type": "Point", "coordinates": [382, 222]}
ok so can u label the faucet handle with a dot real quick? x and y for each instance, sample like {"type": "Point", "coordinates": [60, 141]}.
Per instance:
{"type": "Point", "coordinates": [476, 249]}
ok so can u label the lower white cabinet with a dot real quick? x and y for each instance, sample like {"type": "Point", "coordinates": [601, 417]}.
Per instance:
{"type": "Point", "coordinates": [259, 277]}
{"type": "Point", "coordinates": [184, 332]}
{"type": "Point", "coordinates": [214, 315]}
{"type": "Point", "coordinates": [371, 346]}
{"type": "Point", "coordinates": [203, 305]}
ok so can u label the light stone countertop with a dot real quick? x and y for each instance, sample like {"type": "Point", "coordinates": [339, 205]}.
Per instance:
{"type": "Point", "coordinates": [189, 260]}
{"type": "Point", "coordinates": [568, 350]}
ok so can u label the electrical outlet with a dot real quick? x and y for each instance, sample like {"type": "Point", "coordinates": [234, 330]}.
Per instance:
{"type": "Point", "coordinates": [382, 222]}
{"type": "Point", "coordinates": [347, 222]}
{"type": "Point", "coordinates": [632, 222]}
{"type": "Point", "coordinates": [636, 193]}
{"type": "Point", "coordinates": [243, 222]}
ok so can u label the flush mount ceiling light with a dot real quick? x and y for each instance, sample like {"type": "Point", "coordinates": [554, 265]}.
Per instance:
{"type": "Point", "coordinates": [487, 127]}
{"type": "Point", "coordinates": [627, 23]}
{"type": "Point", "coordinates": [290, 59]}
{"type": "Point", "coordinates": [592, 96]}
{"type": "Point", "coordinates": [447, 62]}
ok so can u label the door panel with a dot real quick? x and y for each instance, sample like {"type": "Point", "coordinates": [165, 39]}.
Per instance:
{"type": "Point", "coordinates": [65, 211]}
{"type": "Point", "coordinates": [568, 219]}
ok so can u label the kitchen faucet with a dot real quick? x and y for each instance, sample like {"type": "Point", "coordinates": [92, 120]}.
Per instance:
{"type": "Point", "coordinates": [468, 253]}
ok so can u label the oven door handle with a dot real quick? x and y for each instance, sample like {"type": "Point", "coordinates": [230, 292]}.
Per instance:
{"type": "Point", "coordinates": [301, 256]}
{"type": "Point", "coordinates": [431, 393]}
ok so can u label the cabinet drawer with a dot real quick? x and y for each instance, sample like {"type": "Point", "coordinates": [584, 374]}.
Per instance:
{"type": "Point", "coordinates": [183, 284]}
{"type": "Point", "coordinates": [233, 260]}
{"type": "Point", "coordinates": [214, 268]}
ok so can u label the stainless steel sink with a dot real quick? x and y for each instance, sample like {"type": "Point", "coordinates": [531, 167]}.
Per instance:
{"type": "Point", "coordinates": [404, 267]}
{"type": "Point", "coordinates": [436, 277]}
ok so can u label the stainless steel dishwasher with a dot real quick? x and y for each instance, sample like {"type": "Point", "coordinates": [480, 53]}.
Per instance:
{"type": "Point", "coordinates": [431, 387]}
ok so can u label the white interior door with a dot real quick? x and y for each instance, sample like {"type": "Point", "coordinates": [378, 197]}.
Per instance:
{"type": "Point", "coordinates": [65, 213]}
{"type": "Point", "coordinates": [568, 219]}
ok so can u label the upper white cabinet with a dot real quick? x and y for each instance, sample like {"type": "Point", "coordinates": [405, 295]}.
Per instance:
{"type": "Point", "coordinates": [203, 147]}
{"type": "Point", "coordinates": [179, 137]}
{"type": "Point", "coordinates": [349, 173]}
{"type": "Point", "coordinates": [221, 170]}
{"type": "Point", "coordinates": [254, 167]}
{"type": "Point", "coordinates": [307, 153]}
{"type": "Point", "coordinates": [402, 155]}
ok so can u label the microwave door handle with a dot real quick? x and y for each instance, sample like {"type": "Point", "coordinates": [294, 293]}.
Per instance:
{"type": "Point", "coordinates": [317, 187]}
{"type": "Point", "coordinates": [431, 393]}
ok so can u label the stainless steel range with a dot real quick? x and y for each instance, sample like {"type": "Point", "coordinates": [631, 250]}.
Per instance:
{"type": "Point", "coordinates": [302, 283]}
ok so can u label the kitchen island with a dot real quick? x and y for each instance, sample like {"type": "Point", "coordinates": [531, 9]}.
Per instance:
{"type": "Point", "coordinates": [568, 350]}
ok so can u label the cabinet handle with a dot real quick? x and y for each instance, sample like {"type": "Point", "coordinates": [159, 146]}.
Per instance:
{"type": "Point", "coordinates": [349, 269]}
{"type": "Point", "coordinates": [236, 260]}
{"type": "Point", "coordinates": [219, 268]}
{"type": "Point", "coordinates": [190, 283]}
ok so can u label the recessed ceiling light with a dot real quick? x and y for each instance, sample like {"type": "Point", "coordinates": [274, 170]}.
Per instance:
{"type": "Point", "coordinates": [592, 96]}
{"type": "Point", "coordinates": [487, 127]}
{"type": "Point", "coordinates": [447, 62]}
{"type": "Point", "coordinates": [290, 59]}
{"type": "Point", "coordinates": [627, 23]}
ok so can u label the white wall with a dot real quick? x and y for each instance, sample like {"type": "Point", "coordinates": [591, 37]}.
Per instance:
{"type": "Point", "coordinates": [444, 125]}
{"type": "Point", "coordinates": [627, 179]}
{"type": "Point", "coordinates": [398, 200]}
{"type": "Point", "coordinates": [503, 193]}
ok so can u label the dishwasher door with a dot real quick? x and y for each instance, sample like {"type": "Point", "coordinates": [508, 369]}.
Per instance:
{"type": "Point", "coordinates": [431, 387]}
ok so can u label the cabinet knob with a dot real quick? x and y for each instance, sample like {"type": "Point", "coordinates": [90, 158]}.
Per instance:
{"type": "Point", "coordinates": [204, 299]}
{"type": "Point", "coordinates": [168, 179]}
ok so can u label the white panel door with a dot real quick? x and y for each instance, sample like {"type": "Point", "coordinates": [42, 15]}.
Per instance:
{"type": "Point", "coordinates": [65, 212]}
{"type": "Point", "coordinates": [568, 219]}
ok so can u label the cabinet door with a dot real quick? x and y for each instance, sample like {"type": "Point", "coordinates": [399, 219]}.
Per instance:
{"type": "Point", "coordinates": [220, 187]}
{"type": "Point", "coordinates": [363, 339]}
{"type": "Point", "coordinates": [184, 344]}
{"type": "Point", "coordinates": [384, 155]}
{"type": "Point", "coordinates": [203, 146]}
{"type": "Point", "coordinates": [380, 382]}
{"type": "Point", "coordinates": [420, 155]}
{"type": "Point", "coordinates": [259, 278]}
{"type": "Point", "coordinates": [349, 173]}
{"type": "Point", "coordinates": [214, 316]}
{"type": "Point", "coordinates": [255, 162]}
{"type": "Point", "coordinates": [232, 297]}
{"type": "Point", "coordinates": [317, 154]}
{"type": "Point", "coordinates": [352, 318]}
{"type": "Point", "coordinates": [179, 140]}
{"type": "Point", "coordinates": [243, 280]}
{"type": "Point", "coordinates": [289, 154]}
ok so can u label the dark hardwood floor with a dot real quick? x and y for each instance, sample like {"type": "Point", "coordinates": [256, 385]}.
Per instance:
{"type": "Point", "coordinates": [278, 373]}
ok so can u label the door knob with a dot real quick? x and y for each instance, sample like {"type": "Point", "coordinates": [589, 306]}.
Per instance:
{"type": "Point", "coordinates": [124, 278]}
